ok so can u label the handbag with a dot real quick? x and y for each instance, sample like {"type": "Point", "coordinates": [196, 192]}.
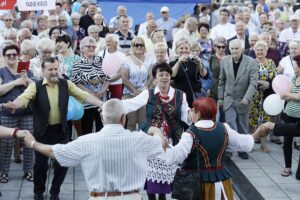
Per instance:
{"type": "Point", "coordinates": [196, 95]}
{"type": "Point", "coordinates": [187, 184]}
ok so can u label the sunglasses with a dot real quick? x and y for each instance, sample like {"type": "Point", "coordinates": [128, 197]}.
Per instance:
{"type": "Point", "coordinates": [11, 55]}
{"type": "Point", "coordinates": [138, 45]}
{"type": "Point", "coordinates": [221, 47]}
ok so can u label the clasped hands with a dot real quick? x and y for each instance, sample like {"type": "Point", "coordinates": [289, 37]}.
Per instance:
{"type": "Point", "coordinates": [157, 132]}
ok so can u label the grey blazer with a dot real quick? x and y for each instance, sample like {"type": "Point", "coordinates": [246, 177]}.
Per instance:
{"type": "Point", "coordinates": [232, 90]}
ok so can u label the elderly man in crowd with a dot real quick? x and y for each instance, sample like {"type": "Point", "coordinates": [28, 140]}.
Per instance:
{"type": "Point", "coordinates": [125, 36]}
{"type": "Point", "coordinates": [240, 29]}
{"type": "Point", "coordinates": [237, 86]}
{"type": "Point", "coordinates": [114, 22]}
{"type": "Point", "coordinates": [253, 38]}
{"type": "Point", "coordinates": [62, 22]}
{"type": "Point", "coordinates": [151, 26]}
{"type": "Point", "coordinates": [142, 28]}
{"type": "Point", "coordinates": [189, 31]}
{"type": "Point", "coordinates": [292, 32]}
{"type": "Point", "coordinates": [166, 23]}
{"type": "Point", "coordinates": [102, 150]}
{"type": "Point", "coordinates": [49, 98]}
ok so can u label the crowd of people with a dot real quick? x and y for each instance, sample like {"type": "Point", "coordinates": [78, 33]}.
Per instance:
{"type": "Point", "coordinates": [206, 73]}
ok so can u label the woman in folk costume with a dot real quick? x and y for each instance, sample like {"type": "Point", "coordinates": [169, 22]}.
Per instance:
{"type": "Point", "coordinates": [203, 146]}
{"type": "Point", "coordinates": [165, 108]}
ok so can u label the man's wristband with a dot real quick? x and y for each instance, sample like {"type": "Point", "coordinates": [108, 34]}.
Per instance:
{"type": "Point", "coordinates": [14, 133]}
{"type": "Point", "coordinates": [32, 143]}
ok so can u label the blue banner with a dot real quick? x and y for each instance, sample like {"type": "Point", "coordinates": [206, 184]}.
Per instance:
{"type": "Point", "coordinates": [137, 9]}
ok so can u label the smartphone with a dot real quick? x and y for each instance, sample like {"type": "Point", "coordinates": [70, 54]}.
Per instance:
{"type": "Point", "coordinates": [23, 66]}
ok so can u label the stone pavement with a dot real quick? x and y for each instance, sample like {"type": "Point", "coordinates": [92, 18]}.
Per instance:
{"type": "Point", "coordinates": [262, 169]}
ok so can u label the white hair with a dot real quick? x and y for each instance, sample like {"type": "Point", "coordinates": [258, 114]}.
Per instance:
{"type": "Point", "coordinates": [160, 46]}
{"type": "Point", "coordinates": [45, 44]}
{"type": "Point", "coordinates": [253, 35]}
{"type": "Point", "coordinates": [112, 111]}
{"type": "Point", "coordinates": [188, 22]}
{"type": "Point", "coordinates": [261, 44]}
{"type": "Point", "coordinates": [93, 28]}
{"type": "Point", "coordinates": [9, 32]}
{"type": "Point", "coordinates": [114, 38]}
{"type": "Point", "coordinates": [235, 42]}
{"type": "Point", "coordinates": [26, 46]}
{"type": "Point", "coordinates": [25, 23]}
{"type": "Point", "coordinates": [86, 40]}
{"type": "Point", "coordinates": [181, 41]}
{"type": "Point", "coordinates": [293, 43]}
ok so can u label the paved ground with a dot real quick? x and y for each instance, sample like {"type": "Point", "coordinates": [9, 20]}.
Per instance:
{"type": "Point", "coordinates": [262, 169]}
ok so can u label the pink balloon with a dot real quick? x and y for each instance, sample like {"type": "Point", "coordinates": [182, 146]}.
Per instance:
{"type": "Point", "coordinates": [111, 64]}
{"type": "Point", "coordinates": [281, 84]}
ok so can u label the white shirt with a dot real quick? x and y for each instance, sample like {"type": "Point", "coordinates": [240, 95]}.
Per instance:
{"type": "Point", "coordinates": [236, 142]}
{"type": "Point", "coordinates": [140, 100]}
{"type": "Point", "coordinates": [225, 30]}
{"type": "Point", "coordinates": [251, 27]}
{"type": "Point", "coordinates": [143, 29]}
{"type": "Point", "coordinates": [288, 34]}
{"type": "Point", "coordinates": [114, 159]}
{"type": "Point", "coordinates": [287, 65]}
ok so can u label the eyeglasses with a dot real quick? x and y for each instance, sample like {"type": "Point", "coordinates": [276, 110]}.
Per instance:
{"type": "Point", "coordinates": [90, 47]}
{"type": "Point", "coordinates": [182, 22]}
{"type": "Point", "coordinates": [46, 52]}
{"type": "Point", "coordinates": [8, 20]}
{"type": "Point", "coordinates": [221, 47]}
{"type": "Point", "coordinates": [138, 45]}
{"type": "Point", "coordinates": [11, 55]}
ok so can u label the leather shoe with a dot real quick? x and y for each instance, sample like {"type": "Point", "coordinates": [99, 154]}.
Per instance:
{"type": "Point", "coordinates": [54, 197]}
{"type": "Point", "coordinates": [228, 155]}
{"type": "Point", "coordinates": [243, 155]}
{"type": "Point", "coordinates": [38, 197]}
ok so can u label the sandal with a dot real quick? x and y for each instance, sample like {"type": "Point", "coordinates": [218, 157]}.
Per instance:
{"type": "Point", "coordinates": [4, 178]}
{"type": "Point", "coordinates": [286, 172]}
{"type": "Point", "coordinates": [28, 176]}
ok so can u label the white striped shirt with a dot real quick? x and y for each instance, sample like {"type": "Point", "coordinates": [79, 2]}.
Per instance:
{"type": "Point", "coordinates": [114, 159]}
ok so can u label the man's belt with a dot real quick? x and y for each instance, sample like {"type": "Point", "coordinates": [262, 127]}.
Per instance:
{"type": "Point", "coordinates": [111, 194]}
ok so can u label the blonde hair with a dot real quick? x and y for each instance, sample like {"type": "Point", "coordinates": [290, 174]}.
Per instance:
{"type": "Point", "coordinates": [181, 41]}
{"type": "Point", "coordinates": [133, 43]}
{"type": "Point", "coordinates": [160, 46]}
{"type": "Point", "coordinates": [260, 44]}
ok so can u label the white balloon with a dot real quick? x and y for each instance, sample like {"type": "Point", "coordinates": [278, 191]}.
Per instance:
{"type": "Point", "coordinates": [273, 105]}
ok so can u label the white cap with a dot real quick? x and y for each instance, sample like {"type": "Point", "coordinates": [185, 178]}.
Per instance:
{"type": "Point", "coordinates": [164, 9]}
{"type": "Point", "coordinates": [294, 17]}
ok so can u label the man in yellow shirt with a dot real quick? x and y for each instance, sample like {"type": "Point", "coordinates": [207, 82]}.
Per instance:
{"type": "Point", "coordinates": [49, 100]}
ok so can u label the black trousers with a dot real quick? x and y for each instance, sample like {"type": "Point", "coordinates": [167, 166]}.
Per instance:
{"type": "Point", "coordinates": [54, 134]}
{"type": "Point", "coordinates": [88, 118]}
{"type": "Point", "coordinates": [288, 142]}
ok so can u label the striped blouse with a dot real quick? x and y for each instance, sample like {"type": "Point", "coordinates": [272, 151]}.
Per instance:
{"type": "Point", "coordinates": [84, 73]}
{"type": "Point", "coordinates": [292, 108]}
{"type": "Point", "coordinates": [114, 159]}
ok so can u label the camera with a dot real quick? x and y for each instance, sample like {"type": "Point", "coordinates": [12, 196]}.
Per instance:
{"type": "Point", "coordinates": [191, 58]}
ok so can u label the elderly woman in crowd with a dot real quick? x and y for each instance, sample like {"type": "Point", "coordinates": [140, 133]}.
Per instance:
{"type": "Point", "coordinates": [80, 32]}
{"type": "Point", "coordinates": [66, 55]}
{"type": "Point", "coordinates": [113, 49]}
{"type": "Point", "coordinates": [158, 36]}
{"type": "Point", "coordinates": [205, 83]}
{"type": "Point", "coordinates": [87, 74]}
{"type": "Point", "coordinates": [266, 71]}
{"type": "Point", "coordinates": [45, 48]}
{"type": "Point", "coordinates": [165, 108]}
{"type": "Point", "coordinates": [189, 31]}
{"type": "Point", "coordinates": [286, 65]}
{"type": "Point", "coordinates": [93, 31]}
{"type": "Point", "coordinates": [99, 21]}
{"type": "Point", "coordinates": [136, 77]}
{"type": "Point", "coordinates": [291, 114]}
{"type": "Point", "coordinates": [54, 33]}
{"type": "Point", "coordinates": [28, 51]}
{"type": "Point", "coordinates": [179, 25]}
{"type": "Point", "coordinates": [187, 70]}
{"type": "Point", "coordinates": [207, 138]}
{"type": "Point", "coordinates": [205, 42]}
{"type": "Point", "coordinates": [12, 84]}
{"type": "Point", "coordinates": [220, 44]}
{"type": "Point", "coordinates": [41, 25]}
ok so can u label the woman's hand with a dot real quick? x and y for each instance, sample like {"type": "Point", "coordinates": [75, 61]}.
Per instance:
{"type": "Point", "coordinates": [182, 59]}
{"type": "Point", "coordinates": [263, 85]}
{"type": "Point", "coordinates": [20, 82]}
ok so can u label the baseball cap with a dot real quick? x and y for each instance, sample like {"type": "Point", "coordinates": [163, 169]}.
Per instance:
{"type": "Point", "coordinates": [164, 9]}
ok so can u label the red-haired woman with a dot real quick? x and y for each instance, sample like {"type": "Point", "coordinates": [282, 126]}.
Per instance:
{"type": "Point", "coordinates": [209, 139]}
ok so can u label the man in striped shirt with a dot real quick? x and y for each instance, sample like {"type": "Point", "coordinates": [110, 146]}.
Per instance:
{"type": "Point", "coordinates": [113, 161]}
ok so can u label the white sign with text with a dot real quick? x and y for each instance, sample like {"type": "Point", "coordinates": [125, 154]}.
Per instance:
{"type": "Point", "coordinates": [29, 5]}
